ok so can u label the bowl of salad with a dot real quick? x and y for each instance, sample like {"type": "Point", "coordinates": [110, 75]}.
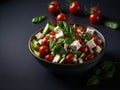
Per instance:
{"type": "Point", "coordinates": [67, 48]}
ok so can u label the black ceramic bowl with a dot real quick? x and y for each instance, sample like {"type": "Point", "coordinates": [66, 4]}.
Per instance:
{"type": "Point", "coordinates": [70, 68]}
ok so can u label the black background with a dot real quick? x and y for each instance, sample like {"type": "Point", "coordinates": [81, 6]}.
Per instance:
{"type": "Point", "coordinates": [20, 70]}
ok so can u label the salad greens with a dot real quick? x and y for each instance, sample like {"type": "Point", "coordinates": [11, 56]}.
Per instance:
{"type": "Point", "coordinates": [103, 71]}
{"type": "Point", "coordinates": [68, 31]}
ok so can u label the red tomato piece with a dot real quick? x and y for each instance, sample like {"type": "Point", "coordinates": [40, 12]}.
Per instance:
{"type": "Point", "coordinates": [95, 9]}
{"type": "Point", "coordinates": [90, 56]}
{"type": "Point", "coordinates": [44, 50]}
{"type": "Point", "coordinates": [54, 7]}
{"type": "Point", "coordinates": [84, 49]}
{"type": "Point", "coordinates": [69, 59]}
{"type": "Point", "coordinates": [75, 7]}
{"type": "Point", "coordinates": [61, 17]}
{"type": "Point", "coordinates": [45, 41]}
{"type": "Point", "coordinates": [49, 57]}
{"type": "Point", "coordinates": [94, 18]}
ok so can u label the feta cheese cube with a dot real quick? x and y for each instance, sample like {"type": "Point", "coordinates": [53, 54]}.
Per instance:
{"type": "Point", "coordinates": [75, 44]}
{"type": "Point", "coordinates": [91, 43]}
{"type": "Point", "coordinates": [39, 41]}
{"type": "Point", "coordinates": [98, 49]}
{"type": "Point", "coordinates": [39, 35]}
{"type": "Point", "coordinates": [66, 47]}
{"type": "Point", "coordinates": [90, 30]}
{"type": "Point", "coordinates": [59, 35]}
{"type": "Point", "coordinates": [56, 58]}
{"type": "Point", "coordinates": [80, 60]}
{"type": "Point", "coordinates": [59, 32]}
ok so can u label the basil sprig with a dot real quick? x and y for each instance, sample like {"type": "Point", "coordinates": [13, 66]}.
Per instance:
{"type": "Point", "coordinates": [56, 47]}
{"type": "Point", "coordinates": [68, 31]}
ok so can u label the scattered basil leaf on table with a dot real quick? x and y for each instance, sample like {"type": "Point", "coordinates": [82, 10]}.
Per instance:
{"type": "Point", "coordinates": [103, 71]}
{"type": "Point", "coordinates": [38, 19]}
{"type": "Point", "coordinates": [111, 24]}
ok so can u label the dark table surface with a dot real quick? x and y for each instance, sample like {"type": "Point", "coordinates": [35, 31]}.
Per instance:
{"type": "Point", "coordinates": [20, 70]}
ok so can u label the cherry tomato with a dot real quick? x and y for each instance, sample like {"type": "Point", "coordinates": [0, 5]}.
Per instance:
{"type": "Point", "coordinates": [52, 33]}
{"type": "Point", "coordinates": [95, 9]}
{"type": "Point", "coordinates": [95, 37]}
{"type": "Point", "coordinates": [44, 50]}
{"type": "Point", "coordinates": [75, 7]}
{"type": "Point", "coordinates": [94, 18]}
{"type": "Point", "coordinates": [80, 29]}
{"type": "Point", "coordinates": [61, 17]}
{"type": "Point", "coordinates": [45, 41]}
{"type": "Point", "coordinates": [69, 59]}
{"type": "Point", "coordinates": [49, 57]}
{"type": "Point", "coordinates": [54, 7]}
{"type": "Point", "coordinates": [84, 49]}
{"type": "Point", "coordinates": [99, 44]}
{"type": "Point", "coordinates": [89, 57]}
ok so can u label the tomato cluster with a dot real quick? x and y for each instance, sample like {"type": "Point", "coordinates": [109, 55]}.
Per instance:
{"type": "Point", "coordinates": [55, 8]}
{"type": "Point", "coordinates": [74, 8]}
{"type": "Point", "coordinates": [95, 13]}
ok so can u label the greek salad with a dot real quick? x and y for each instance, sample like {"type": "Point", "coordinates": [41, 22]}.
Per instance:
{"type": "Point", "coordinates": [66, 43]}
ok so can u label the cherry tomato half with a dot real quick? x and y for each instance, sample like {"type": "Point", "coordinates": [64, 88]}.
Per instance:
{"type": "Point", "coordinates": [89, 57]}
{"type": "Point", "coordinates": [61, 17]}
{"type": "Point", "coordinates": [84, 49]}
{"type": "Point", "coordinates": [95, 37]}
{"type": "Point", "coordinates": [95, 10]}
{"type": "Point", "coordinates": [75, 7]}
{"type": "Point", "coordinates": [45, 41]}
{"type": "Point", "coordinates": [54, 7]}
{"type": "Point", "coordinates": [49, 57]}
{"type": "Point", "coordinates": [94, 18]}
{"type": "Point", "coordinates": [69, 59]}
{"type": "Point", "coordinates": [44, 50]}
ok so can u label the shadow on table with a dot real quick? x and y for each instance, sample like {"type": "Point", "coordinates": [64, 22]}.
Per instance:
{"type": "Point", "coordinates": [78, 81]}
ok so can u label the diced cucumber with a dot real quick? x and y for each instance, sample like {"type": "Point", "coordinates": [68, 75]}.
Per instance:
{"type": "Point", "coordinates": [76, 52]}
{"type": "Point", "coordinates": [82, 55]}
{"type": "Point", "coordinates": [112, 24]}
{"type": "Point", "coordinates": [36, 53]}
{"type": "Point", "coordinates": [62, 60]}
{"type": "Point", "coordinates": [35, 44]}
{"type": "Point", "coordinates": [49, 26]}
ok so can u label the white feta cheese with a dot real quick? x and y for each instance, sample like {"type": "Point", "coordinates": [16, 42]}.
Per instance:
{"type": "Point", "coordinates": [39, 35]}
{"type": "Point", "coordinates": [80, 60]}
{"type": "Point", "coordinates": [39, 41]}
{"type": "Point", "coordinates": [56, 58]}
{"type": "Point", "coordinates": [98, 49]}
{"type": "Point", "coordinates": [66, 47]}
{"type": "Point", "coordinates": [59, 32]}
{"type": "Point", "coordinates": [90, 30]}
{"type": "Point", "coordinates": [91, 43]}
{"type": "Point", "coordinates": [75, 44]}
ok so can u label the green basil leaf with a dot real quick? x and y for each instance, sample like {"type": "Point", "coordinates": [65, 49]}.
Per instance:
{"type": "Point", "coordinates": [112, 24]}
{"type": "Point", "coordinates": [38, 19]}
{"type": "Point", "coordinates": [94, 80]}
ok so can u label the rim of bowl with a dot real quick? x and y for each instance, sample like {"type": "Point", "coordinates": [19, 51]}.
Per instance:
{"type": "Point", "coordinates": [90, 61]}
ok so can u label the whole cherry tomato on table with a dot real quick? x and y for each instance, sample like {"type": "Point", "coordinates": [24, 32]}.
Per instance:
{"type": "Point", "coordinates": [54, 7]}
{"type": "Point", "coordinates": [94, 18]}
{"type": "Point", "coordinates": [75, 7]}
{"type": "Point", "coordinates": [61, 17]}
{"type": "Point", "coordinates": [95, 10]}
